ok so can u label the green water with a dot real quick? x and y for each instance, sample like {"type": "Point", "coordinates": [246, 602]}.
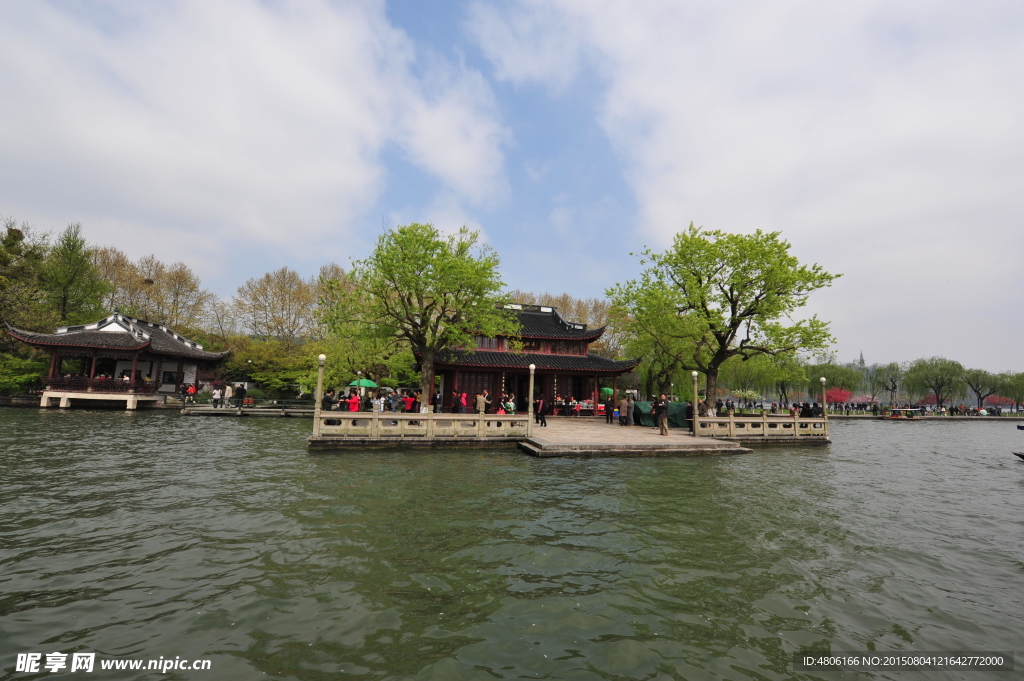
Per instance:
{"type": "Point", "coordinates": [148, 534]}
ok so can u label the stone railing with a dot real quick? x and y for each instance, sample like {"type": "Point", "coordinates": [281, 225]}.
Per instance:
{"type": "Point", "coordinates": [766, 425]}
{"type": "Point", "coordinates": [420, 426]}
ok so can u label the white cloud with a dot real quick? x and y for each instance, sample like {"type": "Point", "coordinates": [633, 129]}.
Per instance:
{"type": "Point", "coordinates": [237, 124]}
{"type": "Point", "coordinates": [882, 138]}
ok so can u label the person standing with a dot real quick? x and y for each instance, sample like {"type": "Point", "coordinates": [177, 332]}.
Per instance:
{"type": "Point", "coordinates": [689, 417]}
{"type": "Point", "coordinates": [327, 401]}
{"type": "Point", "coordinates": [481, 403]}
{"type": "Point", "coordinates": [609, 409]}
{"type": "Point", "coordinates": [540, 410]}
{"type": "Point", "coordinates": [240, 394]}
{"type": "Point", "coordinates": [661, 410]}
{"type": "Point", "coordinates": [216, 398]}
{"type": "Point", "coordinates": [228, 393]}
{"type": "Point", "coordinates": [624, 407]}
{"type": "Point", "coordinates": [438, 398]}
{"type": "Point", "coordinates": [353, 401]}
{"type": "Point", "coordinates": [631, 412]}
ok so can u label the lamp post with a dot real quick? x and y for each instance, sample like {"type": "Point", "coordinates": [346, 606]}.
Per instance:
{"type": "Point", "coordinates": [319, 396]}
{"type": "Point", "coordinates": [694, 374]}
{"type": "Point", "coordinates": [359, 382]}
{"type": "Point", "coordinates": [824, 404]}
{"type": "Point", "coordinates": [529, 423]}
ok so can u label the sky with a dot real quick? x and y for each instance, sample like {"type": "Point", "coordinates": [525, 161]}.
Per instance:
{"type": "Point", "coordinates": [884, 140]}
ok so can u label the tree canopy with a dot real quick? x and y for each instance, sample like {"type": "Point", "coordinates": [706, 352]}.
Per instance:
{"type": "Point", "coordinates": [714, 296]}
{"type": "Point", "coordinates": [431, 291]}
{"type": "Point", "coordinates": [941, 377]}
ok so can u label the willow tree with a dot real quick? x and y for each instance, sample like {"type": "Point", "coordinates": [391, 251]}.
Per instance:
{"type": "Point", "coordinates": [715, 296]}
{"type": "Point", "coordinates": [431, 291]}
{"type": "Point", "coordinates": [942, 377]}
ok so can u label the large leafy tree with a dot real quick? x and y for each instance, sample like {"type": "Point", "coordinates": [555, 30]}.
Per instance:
{"type": "Point", "coordinates": [938, 376]}
{"type": "Point", "coordinates": [983, 384]}
{"type": "Point", "coordinates": [71, 279]}
{"type": "Point", "coordinates": [434, 292]}
{"type": "Point", "coordinates": [714, 296]}
{"type": "Point", "coordinates": [836, 376]}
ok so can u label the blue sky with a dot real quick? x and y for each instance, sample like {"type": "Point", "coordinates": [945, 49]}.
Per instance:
{"type": "Point", "coordinates": [882, 138]}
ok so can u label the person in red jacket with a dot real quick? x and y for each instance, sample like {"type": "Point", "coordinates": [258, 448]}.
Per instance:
{"type": "Point", "coordinates": [353, 402]}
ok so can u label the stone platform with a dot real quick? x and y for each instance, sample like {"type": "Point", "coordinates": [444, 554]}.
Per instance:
{"type": "Point", "coordinates": [131, 401]}
{"type": "Point", "coordinates": [593, 437]}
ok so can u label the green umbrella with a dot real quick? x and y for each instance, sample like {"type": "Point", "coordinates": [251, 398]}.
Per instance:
{"type": "Point", "coordinates": [364, 383]}
{"type": "Point", "coordinates": [607, 391]}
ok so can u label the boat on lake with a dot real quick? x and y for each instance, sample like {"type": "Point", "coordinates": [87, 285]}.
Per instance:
{"type": "Point", "coordinates": [904, 414]}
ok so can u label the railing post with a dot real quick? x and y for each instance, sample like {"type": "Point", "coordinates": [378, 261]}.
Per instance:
{"type": "Point", "coordinates": [375, 425]}
{"type": "Point", "coordinates": [764, 423]}
{"type": "Point", "coordinates": [429, 434]}
{"type": "Point", "coordinates": [732, 424]}
{"type": "Point", "coordinates": [529, 421]}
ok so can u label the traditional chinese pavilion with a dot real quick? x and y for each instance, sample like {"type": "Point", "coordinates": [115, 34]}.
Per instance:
{"type": "Point", "coordinates": [559, 349]}
{"type": "Point", "coordinates": [118, 358]}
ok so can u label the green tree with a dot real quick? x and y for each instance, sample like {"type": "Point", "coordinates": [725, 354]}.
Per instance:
{"type": "Point", "coordinates": [17, 373]}
{"type": "Point", "coordinates": [714, 296]}
{"type": "Point", "coordinates": [938, 376]}
{"type": "Point", "coordinates": [786, 376]}
{"type": "Point", "coordinates": [835, 375]}
{"type": "Point", "coordinates": [892, 379]}
{"type": "Point", "coordinates": [874, 380]}
{"type": "Point", "coordinates": [982, 383]}
{"type": "Point", "coordinates": [752, 375]}
{"type": "Point", "coordinates": [71, 279]}
{"type": "Point", "coordinates": [433, 292]}
{"type": "Point", "coordinates": [1013, 387]}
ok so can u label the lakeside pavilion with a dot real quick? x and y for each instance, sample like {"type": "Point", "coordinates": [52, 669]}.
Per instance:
{"type": "Point", "coordinates": [120, 359]}
{"type": "Point", "coordinates": [559, 349]}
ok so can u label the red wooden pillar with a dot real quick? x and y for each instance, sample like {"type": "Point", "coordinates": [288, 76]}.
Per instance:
{"type": "Point", "coordinates": [455, 389]}
{"type": "Point", "coordinates": [54, 363]}
{"type": "Point", "coordinates": [615, 389]}
{"type": "Point", "coordinates": [92, 368]}
{"type": "Point", "coordinates": [596, 395]}
{"type": "Point", "coordinates": [135, 365]}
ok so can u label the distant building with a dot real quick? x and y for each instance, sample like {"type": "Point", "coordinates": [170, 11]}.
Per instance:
{"type": "Point", "coordinates": [118, 358]}
{"type": "Point", "coordinates": [560, 350]}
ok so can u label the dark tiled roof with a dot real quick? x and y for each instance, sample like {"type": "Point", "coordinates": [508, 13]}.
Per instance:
{"type": "Point", "coordinates": [537, 324]}
{"type": "Point", "coordinates": [81, 339]}
{"type": "Point", "coordinates": [136, 334]}
{"type": "Point", "coordinates": [511, 360]}
{"type": "Point", "coordinates": [166, 344]}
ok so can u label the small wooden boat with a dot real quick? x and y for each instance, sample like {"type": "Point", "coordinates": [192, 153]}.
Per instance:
{"type": "Point", "coordinates": [904, 414]}
{"type": "Point", "coordinates": [1020, 454]}
{"type": "Point", "coordinates": [1020, 427]}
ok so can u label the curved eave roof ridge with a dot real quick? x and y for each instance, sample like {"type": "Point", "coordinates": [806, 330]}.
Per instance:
{"type": "Point", "coordinates": [590, 362]}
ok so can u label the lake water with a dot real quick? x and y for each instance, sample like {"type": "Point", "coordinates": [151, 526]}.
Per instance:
{"type": "Point", "coordinates": [141, 535]}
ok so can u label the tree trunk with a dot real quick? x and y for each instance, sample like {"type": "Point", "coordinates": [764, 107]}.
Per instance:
{"type": "Point", "coordinates": [427, 378]}
{"type": "Point", "coordinates": [712, 386]}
